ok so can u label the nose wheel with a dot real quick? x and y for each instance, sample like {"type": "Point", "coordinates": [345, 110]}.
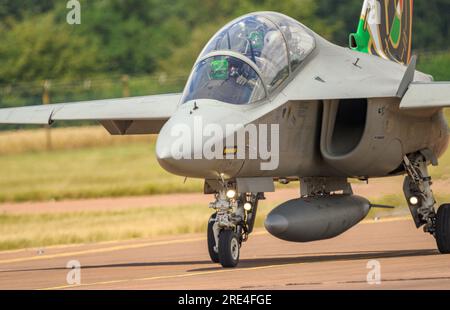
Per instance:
{"type": "Point", "coordinates": [224, 249]}
{"type": "Point", "coordinates": [229, 248]}
{"type": "Point", "coordinates": [213, 250]}
{"type": "Point", "coordinates": [230, 226]}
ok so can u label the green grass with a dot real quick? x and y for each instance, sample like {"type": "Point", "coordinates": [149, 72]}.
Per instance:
{"type": "Point", "coordinates": [24, 231]}
{"type": "Point", "coordinates": [111, 171]}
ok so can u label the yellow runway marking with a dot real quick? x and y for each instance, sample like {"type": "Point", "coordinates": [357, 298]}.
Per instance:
{"type": "Point", "coordinates": [184, 275]}
{"type": "Point", "coordinates": [143, 245]}
{"type": "Point", "coordinates": [163, 277]}
{"type": "Point", "coordinates": [96, 251]}
{"type": "Point", "coordinates": [387, 220]}
{"type": "Point", "coordinates": [108, 249]}
{"type": "Point", "coordinates": [187, 275]}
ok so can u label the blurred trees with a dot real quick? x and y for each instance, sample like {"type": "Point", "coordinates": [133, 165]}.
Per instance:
{"type": "Point", "coordinates": [144, 37]}
{"type": "Point", "coordinates": [117, 37]}
{"type": "Point", "coordinates": [431, 27]}
{"type": "Point", "coordinates": [41, 48]}
{"type": "Point", "coordinates": [19, 9]}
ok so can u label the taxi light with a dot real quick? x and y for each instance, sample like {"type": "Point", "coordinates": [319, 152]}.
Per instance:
{"type": "Point", "coordinates": [231, 193]}
{"type": "Point", "coordinates": [247, 206]}
{"type": "Point", "coordinates": [414, 200]}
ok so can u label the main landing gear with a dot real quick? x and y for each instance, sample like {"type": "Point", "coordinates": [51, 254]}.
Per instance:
{"type": "Point", "coordinates": [421, 202]}
{"type": "Point", "coordinates": [231, 225]}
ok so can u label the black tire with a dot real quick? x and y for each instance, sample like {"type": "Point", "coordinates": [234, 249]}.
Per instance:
{"type": "Point", "coordinates": [443, 229]}
{"type": "Point", "coordinates": [211, 240]}
{"type": "Point", "coordinates": [229, 248]}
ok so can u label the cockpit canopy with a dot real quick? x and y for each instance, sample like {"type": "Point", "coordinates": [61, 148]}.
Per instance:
{"type": "Point", "coordinates": [249, 58]}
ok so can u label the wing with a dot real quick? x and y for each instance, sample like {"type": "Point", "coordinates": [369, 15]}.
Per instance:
{"type": "Point", "coordinates": [135, 115]}
{"type": "Point", "coordinates": [427, 95]}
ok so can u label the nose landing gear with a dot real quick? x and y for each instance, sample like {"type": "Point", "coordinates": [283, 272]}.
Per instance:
{"type": "Point", "coordinates": [230, 225]}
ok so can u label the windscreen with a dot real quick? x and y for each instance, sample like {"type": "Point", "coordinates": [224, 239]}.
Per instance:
{"type": "Point", "coordinates": [226, 79]}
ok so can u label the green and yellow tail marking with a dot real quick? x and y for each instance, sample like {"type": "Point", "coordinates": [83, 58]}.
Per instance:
{"type": "Point", "coordinates": [385, 29]}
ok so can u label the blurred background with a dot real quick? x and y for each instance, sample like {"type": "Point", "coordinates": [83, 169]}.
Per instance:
{"type": "Point", "coordinates": [141, 47]}
{"type": "Point", "coordinates": [132, 48]}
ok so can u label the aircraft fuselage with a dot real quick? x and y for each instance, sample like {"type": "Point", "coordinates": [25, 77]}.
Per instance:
{"type": "Point", "coordinates": [362, 138]}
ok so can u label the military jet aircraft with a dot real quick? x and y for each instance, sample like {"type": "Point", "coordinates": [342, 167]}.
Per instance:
{"type": "Point", "coordinates": [340, 113]}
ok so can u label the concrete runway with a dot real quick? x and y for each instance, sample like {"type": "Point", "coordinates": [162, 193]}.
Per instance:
{"type": "Point", "coordinates": [408, 258]}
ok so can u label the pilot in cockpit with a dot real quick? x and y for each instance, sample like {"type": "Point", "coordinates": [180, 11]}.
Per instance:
{"type": "Point", "coordinates": [248, 59]}
{"type": "Point", "coordinates": [261, 44]}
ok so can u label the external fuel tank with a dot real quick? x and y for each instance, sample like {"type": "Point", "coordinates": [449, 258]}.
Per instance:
{"type": "Point", "coordinates": [316, 218]}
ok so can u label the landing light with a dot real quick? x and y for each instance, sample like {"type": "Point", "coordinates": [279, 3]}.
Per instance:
{"type": "Point", "coordinates": [247, 206]}
{"type": "Point", "coordinates": [414, 200]}
{"type": "Point", "coordinates": [231, 193]}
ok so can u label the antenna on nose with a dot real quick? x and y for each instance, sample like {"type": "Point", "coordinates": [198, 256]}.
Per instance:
{"type": "Point", "coordinates": [195, 108]}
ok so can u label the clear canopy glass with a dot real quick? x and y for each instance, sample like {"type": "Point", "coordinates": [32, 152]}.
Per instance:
{"type": "Point", "coordinates": [299, 42]}
{"type": "Point", "coordinates": [259, 40]}
{"type": "Point", "coordinates": [274, 43]}
{"type": "Point", "coordinates": [226, 79]}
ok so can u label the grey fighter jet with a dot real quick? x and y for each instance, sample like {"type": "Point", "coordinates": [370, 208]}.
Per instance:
{"type": "Point", "coordinates": [334, 113]}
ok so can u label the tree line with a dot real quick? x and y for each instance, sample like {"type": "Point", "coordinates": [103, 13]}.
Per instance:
{"type": "Point", "coordinates": [145, 37]}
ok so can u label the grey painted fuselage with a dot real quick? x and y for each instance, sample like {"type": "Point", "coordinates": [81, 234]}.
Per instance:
{"type": "Point", "coordinates": [314, 139]}
{"type": "Point", "coordinates": [339, 115]}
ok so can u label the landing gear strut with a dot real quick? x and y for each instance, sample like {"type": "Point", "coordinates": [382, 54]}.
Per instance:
{"type": "Point", "coordinates": [421, 202]}
{"type": "Point", "coordinates": [231, 225]}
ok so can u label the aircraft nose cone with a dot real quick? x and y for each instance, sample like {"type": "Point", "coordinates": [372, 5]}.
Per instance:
{"type": "Point", "coordinates": [165, 155]}
{"type": "Point", "coordinates": [163, 152]}
{"type": "Point", "coordinates": [181, 142]}
{"type": "Point", "coordinates": [189, 166]}
{"type": "Point", "coordinates": [276, 224]}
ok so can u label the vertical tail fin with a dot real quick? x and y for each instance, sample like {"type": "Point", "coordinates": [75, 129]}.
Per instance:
{"type": "Point", "coordinates": [385, 29]}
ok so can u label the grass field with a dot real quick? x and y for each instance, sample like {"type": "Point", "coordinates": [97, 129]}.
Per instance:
{"type": "Point", "coordinates": [84, 163]}
{"type": "Point", "coordinates": [25, 231]}
{"type": "Point", "coordinates": [110, 171]}
{"type": "Point", "coordinates": [71, 138]}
